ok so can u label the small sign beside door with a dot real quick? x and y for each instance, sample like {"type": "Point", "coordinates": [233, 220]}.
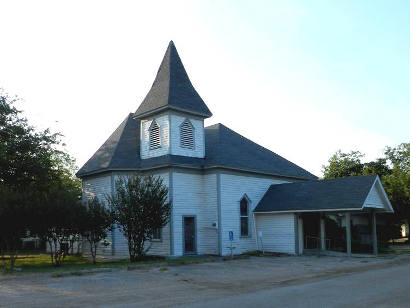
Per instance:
{"type": "Point", "coordinates": [231, 236]}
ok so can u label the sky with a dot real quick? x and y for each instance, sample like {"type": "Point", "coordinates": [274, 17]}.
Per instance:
{"type": "Point", "coordinates": [301, 78]}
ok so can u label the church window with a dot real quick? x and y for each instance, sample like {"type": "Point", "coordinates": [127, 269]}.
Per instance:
{"type": "Point", "coordinates": [154, 136]}
{"type": "Point", "coordinates": [244, 214]}
{"type": "Point", "coordinates": [156, 234]}
{"type": "Point", "coordinates": [187, 135]}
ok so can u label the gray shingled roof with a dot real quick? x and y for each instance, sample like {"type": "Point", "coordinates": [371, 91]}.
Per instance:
{"type": "Point", "coordinates": [172, 89]}
{"type": "Point", "coordinates": [226, 148]}
{"type": "Point", "coordinates": [117, 151]}
{"type": "Point", "coordinates": [340, 193]}
{"type": "Point", "coordinates": [223, 148]}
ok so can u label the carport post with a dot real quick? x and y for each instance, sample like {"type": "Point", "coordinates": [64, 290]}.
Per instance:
{"type": "Point", "coordinates": [374, 233]}
{"type": "Point", "coordinates": [300, 235]}
{"type": "Point", "coordinates": [348, 235]}
{"type": "Point", "coordinates": [322, 232]}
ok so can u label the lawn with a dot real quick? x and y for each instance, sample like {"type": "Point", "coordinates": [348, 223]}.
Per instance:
{"type": "Point", "coordinates": [36, 263]}
{"type": "Point", "coordinates": [41, 263]}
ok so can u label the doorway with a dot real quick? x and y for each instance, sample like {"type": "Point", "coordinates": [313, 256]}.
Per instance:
{"type": "Point", "coordinates": [189, 235]}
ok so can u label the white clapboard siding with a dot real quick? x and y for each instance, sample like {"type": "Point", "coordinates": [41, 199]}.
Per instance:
{"type": "Point", "coordinates": [375, 199]}
{"type": "Point", "coordinates": [163, 122]}
{"type": "Point", "coordinates": [97, 186]}
{"type": "Point", "coordinates": [278, 232]}
{"type": "Point", "coordinates": [233, 188]}
{"type": "Point", "coordinates": [198, 149]}
{"type": "Point", "coordinates": [101, 186]}
{"type": "Point", "coordinates": [195, 195]}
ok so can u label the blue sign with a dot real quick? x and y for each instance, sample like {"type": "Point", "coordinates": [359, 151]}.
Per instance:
{"type": "Point", "coordinates": [231, 235]}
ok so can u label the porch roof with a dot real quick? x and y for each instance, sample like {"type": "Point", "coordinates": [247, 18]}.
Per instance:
{"type": "Point", "coordinates": [341, 194]}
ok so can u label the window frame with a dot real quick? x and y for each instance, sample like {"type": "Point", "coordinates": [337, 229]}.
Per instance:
{"type": "Point", "coordinates": [159, 239]}
{"type": "Point", "coordinates": [187, 121]}
{"type": "Point", "coordinates": [154, 124]}
{"type": "Point", "coordinates": [247, 216]}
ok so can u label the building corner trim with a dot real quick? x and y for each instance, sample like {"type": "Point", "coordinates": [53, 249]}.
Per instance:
{"type": "Point", "coordinates": [218, 197]}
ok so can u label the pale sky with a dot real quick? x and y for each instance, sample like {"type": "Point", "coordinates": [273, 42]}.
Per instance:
{"type": "Point", "coordinates": [301, 78]}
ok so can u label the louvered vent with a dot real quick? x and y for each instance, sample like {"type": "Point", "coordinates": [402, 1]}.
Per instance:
{"type": "Point", "coordinates": [154, 136]}
{"type": "Point", "coordinates": [187, 135]}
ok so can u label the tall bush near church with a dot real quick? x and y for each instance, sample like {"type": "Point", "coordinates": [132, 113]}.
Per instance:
{"type": "Point", "coordinates": [140, 206]}
{"type": "Point", "coordinates": [96, 221]}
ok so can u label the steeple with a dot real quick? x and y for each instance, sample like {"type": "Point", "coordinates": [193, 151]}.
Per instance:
{"type": "Point", "coordinates": [172, 90]}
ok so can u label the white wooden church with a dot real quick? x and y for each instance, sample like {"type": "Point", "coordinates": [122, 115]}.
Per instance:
{"type": "Point", "coordinates": [222, 183]}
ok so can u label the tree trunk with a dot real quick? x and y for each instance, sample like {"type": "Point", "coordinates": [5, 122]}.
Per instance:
{"type": "Point", "coordinates": [12, 250]}
{"type": "Point", "coordinates": [94, 251]}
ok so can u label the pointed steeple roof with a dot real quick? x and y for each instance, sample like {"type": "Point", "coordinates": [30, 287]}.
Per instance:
{"type": "Point", "coordinates": [172, 89]}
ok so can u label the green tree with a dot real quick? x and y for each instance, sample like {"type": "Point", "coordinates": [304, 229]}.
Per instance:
{"type": "Point", "coordinates": [343, 164]}
{"type": "Point", "coordinates": [57, 221]}
{"type": "Point", "coordinates": [140, 206]}
{"type": "Point", "coordinates": [397, 182]}
{"type": "Point", "coordinates": [14, 221]}
{"type": "Point", "coordinates": [394, 172]}
{"type": "Point", "coordinates": [97, 220]}
{"type": "Point", "coordinates": [34, 173]}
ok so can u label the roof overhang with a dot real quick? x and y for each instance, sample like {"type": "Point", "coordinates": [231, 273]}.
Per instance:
{"type": "Point", "coordinates": [168, 107]}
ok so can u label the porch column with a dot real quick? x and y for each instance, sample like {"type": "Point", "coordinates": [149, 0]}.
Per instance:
{"type": "Point", "coordinates": [300, 234]}
{"type": "Point", "coordinates": [348, 235]}
{"type": "Point", "coordinates": [374, 234]}
{"type": "Point", "coordinates": [322, 232]}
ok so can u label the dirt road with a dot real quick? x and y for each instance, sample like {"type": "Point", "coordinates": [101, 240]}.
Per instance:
{"type": "Point", "coordinates": [195, 284]}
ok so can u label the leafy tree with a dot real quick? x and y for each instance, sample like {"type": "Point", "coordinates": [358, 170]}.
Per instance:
{"type": "Point", "coordinates": [97, 220]}
{"type": "Point", "coordinates": [397, 183]}
{"type": "Point", "coordinates": [343, 164]}
{"type": "Point", "coordinates": [14, 219]}
{"type": "Point", "coordinates": [394, 172]}
{"type": "Point", "coordinates": [58, 221]}
{"type": "Point", "coordinates": [36, 177]}
{"type": "Point", "coordinates": [140, 206]}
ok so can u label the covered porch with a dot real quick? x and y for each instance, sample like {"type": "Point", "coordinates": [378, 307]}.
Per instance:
{"type": "Point", "coordinates": [351, 232]}
{"type": "Point", "coordinates": [337, 215]}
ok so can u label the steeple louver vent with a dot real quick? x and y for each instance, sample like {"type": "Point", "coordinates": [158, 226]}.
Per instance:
{"type": "Point", "coordinates": [187, 135]}
{"type": "Point", "coordinates": [154, 136]}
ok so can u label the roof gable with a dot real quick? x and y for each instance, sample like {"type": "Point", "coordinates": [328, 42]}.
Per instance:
{"type": "Point", "coordinates": [377, 197]}
{"type": "Point", "coordinates": [172, 89]}
{"type": "Point", "coordinates": [348, 193]}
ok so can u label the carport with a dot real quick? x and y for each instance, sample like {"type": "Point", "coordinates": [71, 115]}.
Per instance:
{"type": "Point", "coordinates": [340, 204]}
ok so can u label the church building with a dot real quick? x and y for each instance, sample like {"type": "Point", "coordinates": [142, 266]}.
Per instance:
{"type": "Point", "coordinates": [226, 190]}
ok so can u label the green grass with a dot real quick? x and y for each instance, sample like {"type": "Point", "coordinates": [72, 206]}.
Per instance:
{"type": "Point", "coordinates": [41, 263]}
{"type": "Point", "coordinates": [78, 265]}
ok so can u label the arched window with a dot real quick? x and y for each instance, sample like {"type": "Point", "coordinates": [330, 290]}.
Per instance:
{"type": "Point", "coordinates": [244, 212]}
{"type": "Point", "coordinates": [187, 135]}
{"type": "Point", "coordinates": [154, 136]}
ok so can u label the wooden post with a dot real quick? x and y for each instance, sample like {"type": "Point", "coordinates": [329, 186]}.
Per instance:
{"type": "Point", "coordinates": [300, 234]}
{"type": "Point", "coordinates": [374, 233]}
{"type": "Point", "coordinates": [322, 232]}
{"type": "Point", "coordinates": [348, 235]}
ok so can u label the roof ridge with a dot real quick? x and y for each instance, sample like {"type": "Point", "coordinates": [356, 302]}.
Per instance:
{"type": "Point", "coordinates": [350, 176]}
{"type": "Point", "coordinates": [260, 146]}
{"type": "Point", "coordinates": [130, 115]}
{"type": "Point", "coordinates": [118, 131]}
{"type": "Point", "coordinates": [170, 45]}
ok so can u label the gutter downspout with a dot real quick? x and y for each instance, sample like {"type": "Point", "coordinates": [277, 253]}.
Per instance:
{"type": "Point", "coordinates": [255, 231]}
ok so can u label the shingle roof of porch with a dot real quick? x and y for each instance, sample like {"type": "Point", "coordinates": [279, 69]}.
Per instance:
{"type": "Point", "coordinates": [348, 193]}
